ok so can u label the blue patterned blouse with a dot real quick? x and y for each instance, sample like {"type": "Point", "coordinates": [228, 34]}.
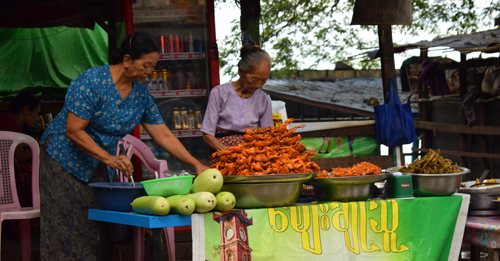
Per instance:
{"type": "Point", "coordinates": [93, 96]}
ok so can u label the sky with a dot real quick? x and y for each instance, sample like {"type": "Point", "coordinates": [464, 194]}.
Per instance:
{"type": "Point", "coordinates": [226, 12]}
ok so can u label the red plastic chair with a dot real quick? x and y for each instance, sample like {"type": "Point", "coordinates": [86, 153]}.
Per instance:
{"type": "Point", "coordinates": [9, 201]}
{"type": "Point", "coordinates": [134, 146]}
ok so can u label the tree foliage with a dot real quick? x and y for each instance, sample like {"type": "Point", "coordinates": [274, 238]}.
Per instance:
{"type": "Point", "coordinates": [302, 34]}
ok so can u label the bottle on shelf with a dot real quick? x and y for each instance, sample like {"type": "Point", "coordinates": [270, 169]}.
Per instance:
{"type": "Point", "coordinates": [184, 119]}
{"type": "Point", "coordinates": [166, 79]}
{"type": "Point", "coordinates": [152, 86]}
{"type": "Point", "coordinates": [179, 78]}
{"type": "Point", "coordinates": [192, 121]}
{"type": "Point", "coordinates": [159, 81]}
{"type": "Point", "coordinates": [199, 79]}
{"type": "Point", "coordinates": [190, 77]}
{"type": "Point", "coordinates": [198, 118]}
{"type": "Point", "coordinates": [190, 43]}
{"type": "Point", "coordinates": [177, 119]}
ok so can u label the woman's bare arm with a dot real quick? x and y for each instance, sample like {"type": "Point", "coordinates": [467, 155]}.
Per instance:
{"type": "Point", "coordinates": [213, 142]}
{"type": "Point", "coordinates": [75, 130]}
{"type": "Point", "coordinates": [167, 141]}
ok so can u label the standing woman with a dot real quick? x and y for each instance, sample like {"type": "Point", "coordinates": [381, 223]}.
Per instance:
{"type": "Point", "coordinates": [236, 106]}
{"type": "Point", "coordinates": [102, 105]}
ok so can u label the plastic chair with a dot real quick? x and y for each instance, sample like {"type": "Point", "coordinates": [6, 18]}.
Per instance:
{"type": "Point", "coordinates": [134, 146]}
{"type": "Point", "coordinates": [9, 201]}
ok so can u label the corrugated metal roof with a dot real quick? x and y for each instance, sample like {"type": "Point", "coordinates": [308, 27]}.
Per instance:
{"type": "Point", "coordinates": [346, 93]}
{"type": "Point", "coordinates": [487, 41]}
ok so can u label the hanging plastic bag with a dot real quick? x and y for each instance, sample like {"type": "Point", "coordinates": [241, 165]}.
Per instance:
{"type": "Point", "coordinates": [279, 113]}
{"type": "Point", "coordinates": [487, 84]}
{"type": "Point", "coordinates": [394, 121]}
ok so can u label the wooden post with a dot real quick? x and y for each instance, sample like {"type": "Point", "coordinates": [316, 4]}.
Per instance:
{"type": "Point", "coordinates": [249, 20]}
{"type": "Point", "coordinates": [424, 108]}
{"type": "Point", "coordinates": [484, 138]}
{"type": "Point", "coordinates": [386, 56]}
{"type": "Point", "coordinates": [462, 72]}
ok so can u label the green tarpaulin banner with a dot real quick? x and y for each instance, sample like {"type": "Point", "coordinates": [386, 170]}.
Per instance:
{"type": "Point", "coordinates": [48, 57]}
{"type": "Point", "coordinates": [403, 229]}
{"type": "Point", "coordinates": [342, 146]}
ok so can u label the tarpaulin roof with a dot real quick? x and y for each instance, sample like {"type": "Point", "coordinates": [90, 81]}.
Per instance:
{"type": "Point", "coordinates": [487, 41]}
{"type": "Point", "coordinates": [48, 57]}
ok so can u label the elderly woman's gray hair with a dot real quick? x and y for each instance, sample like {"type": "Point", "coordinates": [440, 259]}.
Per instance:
{"type": "Point", "coordinates": [251, 57]}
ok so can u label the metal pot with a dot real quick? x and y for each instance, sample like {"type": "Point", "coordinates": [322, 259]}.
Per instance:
{"type": "Point", "coordinates": [481, 198]}
{"type": "Point", "coordinates": [435, 184]}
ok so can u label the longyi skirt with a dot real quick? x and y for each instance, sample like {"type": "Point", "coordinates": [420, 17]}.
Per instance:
{"type": "Point", "coordinates": [66, 233]}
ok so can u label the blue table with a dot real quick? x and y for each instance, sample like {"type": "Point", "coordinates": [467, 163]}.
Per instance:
{"type": "Point", "coordinates": [155, 223]}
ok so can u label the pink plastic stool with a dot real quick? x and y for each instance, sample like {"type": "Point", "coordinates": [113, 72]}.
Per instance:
{"type": "Point", "coordinates": [134, 146]}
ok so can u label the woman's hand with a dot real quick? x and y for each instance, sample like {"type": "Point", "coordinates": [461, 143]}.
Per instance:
{"type": "Point", "coordinates": [200, 168]}
{"type": "Point", "coordinates": [122, 163]}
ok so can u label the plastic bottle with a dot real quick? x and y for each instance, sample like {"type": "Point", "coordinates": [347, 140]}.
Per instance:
{"type": "Point", "coordinates": [191, 119]}
{"type": "Point", "coordinates": [179, 78]}
{"type": "Point", "coordinates": [184, 119]}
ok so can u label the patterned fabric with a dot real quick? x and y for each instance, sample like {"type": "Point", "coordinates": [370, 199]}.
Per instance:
{"type": "Point", "coordinates": [93, 96]}
{"type": "Point", "coordinates": [228, 111]}
{"type": "Point", "coordinates": [23, 183]}
{"type": "Point", "coordinates": [227, 141]}
{"type": "Point", "coordinates": [66, 233]}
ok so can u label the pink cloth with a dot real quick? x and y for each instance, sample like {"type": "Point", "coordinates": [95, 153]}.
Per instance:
{"type": "Point", "coordinates": [228, 111]}
{"type": "Point", "coordinates": [483, 231]}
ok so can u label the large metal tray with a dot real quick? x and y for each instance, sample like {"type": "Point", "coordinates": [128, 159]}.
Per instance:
{"type": "Point", "coordinates": [351, 180]}
{"type": "Point", "coordinates": [270, 178]}
{"type": "Point", "coordinates": [488, 190]}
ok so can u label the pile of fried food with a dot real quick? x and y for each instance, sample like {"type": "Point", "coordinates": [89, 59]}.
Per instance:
{"type": "Point", "coordinates": [266, 151]}
{"type": "Point", "coordinates": [360, 169]}
{"type": "Point", "coordinates": [487, 182]}
{"type": "Point", "coordinates": [431, 163]}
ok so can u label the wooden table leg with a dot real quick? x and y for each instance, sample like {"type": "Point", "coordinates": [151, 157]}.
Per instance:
{"type": "Point", "coordinates": [475, 253]}
{"type": "Point", "coordinates": [493, 254]}
{"type": "Point", "coordinates": [155, 245]}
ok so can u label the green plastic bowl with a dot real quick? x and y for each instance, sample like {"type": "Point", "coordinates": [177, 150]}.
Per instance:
{"type": "Point", "coordinates": [165, 187]}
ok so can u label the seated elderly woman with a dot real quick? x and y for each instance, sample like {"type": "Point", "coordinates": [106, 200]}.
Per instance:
{"type": "Point", "coordinates": [235, 106]}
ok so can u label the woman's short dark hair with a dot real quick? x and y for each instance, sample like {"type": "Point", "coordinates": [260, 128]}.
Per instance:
{"type": "Point", "coordinates": [22, 100]}
{"type": "Point", "coordinates": [251, 56]}
{"type": "Point", "coordinates": [135, 45]}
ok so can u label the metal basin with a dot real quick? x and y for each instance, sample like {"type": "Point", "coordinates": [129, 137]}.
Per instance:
{"type": "Point", "coordinates": [481, 198]}
{"type": "Point", "coordinates": [357, 188]}
{"type": "Point", "coordinates": [435, 184]}
{"type": "Point", "coordinates": [264, 195]}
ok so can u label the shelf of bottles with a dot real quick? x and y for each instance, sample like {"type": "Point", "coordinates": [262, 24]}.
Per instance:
{"type": "Point", "coordinates": [180, 56]}
{"type": "Point", "coordinates": [179, 93]}
{"type": "Point", "coordinates": [177, 133]}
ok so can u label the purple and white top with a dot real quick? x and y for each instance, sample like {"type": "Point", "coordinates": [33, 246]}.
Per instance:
{"type": "Point", "coordinates": [228, 111]}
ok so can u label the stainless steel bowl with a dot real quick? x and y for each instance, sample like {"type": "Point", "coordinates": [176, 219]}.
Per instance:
{"type": "Point", "coordinates": [356, 188]}
{"type": "Point", "coordinates": [435, 184]}
{"type": "Point", "coordinates": [481, 198]}
{"type": "Point", "coordinates": [280, 178]}
{"type": "Point", "coordinates": [264, 195]}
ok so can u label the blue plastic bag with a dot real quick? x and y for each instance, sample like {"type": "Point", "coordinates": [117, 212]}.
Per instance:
{"type": "Point", "coordinates": [394, 121]}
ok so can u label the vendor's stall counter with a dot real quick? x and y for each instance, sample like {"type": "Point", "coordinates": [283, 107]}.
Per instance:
{"type": "Point", "coordinates": [155, 223]}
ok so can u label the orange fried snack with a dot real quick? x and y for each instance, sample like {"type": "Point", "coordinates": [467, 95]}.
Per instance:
{"type": "Point", "coordinates": [360, 169]}
{"type": "Point", "coordinates": [266, 151]}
